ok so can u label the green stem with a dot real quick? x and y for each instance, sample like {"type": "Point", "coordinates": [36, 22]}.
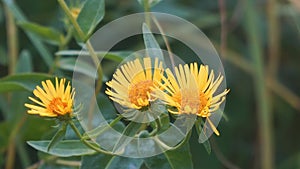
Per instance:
{"type": "Point", "coordinates": [67, 11]}
{"type": "Point", "coordinates": [147, 14]}
{"type": "Point", "coordinates": [158, 123]}
{"type": "Point", "coordinates": [282, 91]}
{"type": "Point", "coordinates": [223, 13]}
{"type": "Point", "coordinates": [92, 134]}
{"type": "Point", "coordinates": [82, 36]}
{"type": "Point", "coordinates": [11, 150]}
{"type": "Point", "coordinates": [158, 127]}
{"type": "Point", "coordinates": [165, 41]}
{"type": "Point", "coordinates": [68, 163]}
{"type": "Point", "coordinates": [273, 35]}
{"type": "Point", "coordinates": [22, 153]}
{"type": "Point", "coordinates": [264, 112]}
{"type": "Point", "coordinates": [87, 143]}
{"type": "Point", "coordinates": [12, 40]}
{"type": "Point", "coordinates": [92, 53]}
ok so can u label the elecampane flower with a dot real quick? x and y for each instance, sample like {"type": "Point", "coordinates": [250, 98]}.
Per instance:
{"type": "Point", "coordinates": [192, 91]}
{"type": "Point", "coordinates": [52, 100]}
{"type": "Point", "coordinates": [133, 82]}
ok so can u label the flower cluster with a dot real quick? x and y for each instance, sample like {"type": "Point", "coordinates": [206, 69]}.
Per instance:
{"type": "Point", "coordinates": [189, 90]}
{"type": "Point", "coordinates": [137, 84]}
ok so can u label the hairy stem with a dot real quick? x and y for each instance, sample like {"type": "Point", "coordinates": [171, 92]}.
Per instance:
{"type": "Point", "coordinates": [87, 143]}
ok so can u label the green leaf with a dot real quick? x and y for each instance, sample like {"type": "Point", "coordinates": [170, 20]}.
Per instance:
{"type": "Point", "coordinates": [98, 161]}
{"type": "Point", "coordinates": [101, 161]}
{"type": "Point", "coordinates": [20, 17]}
{"type": "Point", "coordinates": [43, 33]}
{"type": "Point", "coordinates": [4, 133]}
{"type": "Point", "coordinates": [206, 144]}
{"type": "Point", "coordinates": [150, 3]}
{"type": "Point", "coordinates": [22, 82]}
{"type": "Point", "coordinates": [152, 47]}
{"type": "Point", "coordinates": [55, 166]}
{"type": "Point", "coordinates": [82, 67]}
{"type": "Point", "coordinates": [90, 15]}
{"type": "Point", "coordinates": [179, 158]}
{"type": "Point", "coordinates": [106, 106]}
{"type": "Point", "coordinates": [65, 148]}
{"type": "Point", "coordinates": [24, 64]}
{"type": "Point", "coordinates": [131, 129]}
{"type": "Point", "coordinates": [3, 56]}
{"type": "Point", "coordinates": [59, 135]}
{"type": "Point", "coordinates": [124, 162]}
{"type": "Point", "coordinates": [113, 56]}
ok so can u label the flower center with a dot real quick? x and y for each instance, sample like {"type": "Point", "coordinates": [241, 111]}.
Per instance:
{"type": "Point", "coordinates": [191, 103]}
{"type": "Point", "coordinates": [139, 93]}
{"type": "Point", "coordinates": [58, 106]}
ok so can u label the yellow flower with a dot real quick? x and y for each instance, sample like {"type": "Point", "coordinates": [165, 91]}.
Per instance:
{"type": "Point", "coordinates": [192, 91]}
{"type": "Point", "coordinates": [53, 101]}
{"type": "Point", "coordinates": [133, 82]}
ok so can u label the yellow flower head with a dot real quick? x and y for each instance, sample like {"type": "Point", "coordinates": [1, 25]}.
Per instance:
{"type": "Point", "coordinates": [53, 101]}
{"type": "Point", "coordinates": [192, 91]}
{"type": "Point", "coordinates": [133, 82]}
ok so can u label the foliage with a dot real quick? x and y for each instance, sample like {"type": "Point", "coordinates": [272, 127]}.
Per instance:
{"type": "Point", "coordinates": [253, 38]}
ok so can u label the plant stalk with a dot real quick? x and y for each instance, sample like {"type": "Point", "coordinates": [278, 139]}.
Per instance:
{"type": "Point", "coordinates": [262, 99]}
{"type": "Point", "coordinates": [12, 40]}
{"type": "Point", "coordinates": [87, 143]}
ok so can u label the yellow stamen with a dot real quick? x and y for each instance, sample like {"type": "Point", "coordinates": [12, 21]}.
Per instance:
{"type": "Point", "coordinates": [139, 93]}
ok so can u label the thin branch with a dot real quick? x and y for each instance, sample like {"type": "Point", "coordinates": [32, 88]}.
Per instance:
{"type": "Point", "coordinates": [275, 86]}
{"type": "Point", "coordinates": [68, 163]}
{"type": "Point", "coordinates": [165, 41]}
{"type": "Point", "coordinates": [273, 38]}
{"type": "Point", "coordinates": [221, 156]}
{"type": "Point", "coordinates": [11, 150]}
{"type": "Point", "coordinates": [222, 6]}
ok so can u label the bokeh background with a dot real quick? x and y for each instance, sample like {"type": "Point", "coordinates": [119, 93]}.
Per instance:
{"type": "Point", "coordinates": [258, 42]}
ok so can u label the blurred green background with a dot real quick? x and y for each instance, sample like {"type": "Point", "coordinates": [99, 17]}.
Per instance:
{"type": "Point", "coordinates": [258, 41]}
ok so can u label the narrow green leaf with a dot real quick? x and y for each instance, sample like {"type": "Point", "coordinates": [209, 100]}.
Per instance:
{"type": "Point", "coordinates": [43, 33]}
{"type": "Point", "coordinates": [82, 67]}
{"type": "Point", "coordinates": [179, 158]}
{"type": "Point", "coordinates": [24, 64]}
{"type": "Point", "coordinates": [20, 17]}
{"type": "Point", "coordinates": [113, 56]}
{"type": "Point", "coordinates": [59, 135]}
{"type": "Point", "coordinates": [22, 82]}
{"type": "Point", "coordinates": [5, 132]}
{"type": "Point", "coordinates": [90, 15]}
{"type": "Point", "coordinates": [65, 148]}
{"type": "Point", "coordinates": [206, 144]}
{"type": "Point", "coordinates": [152, 47]}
